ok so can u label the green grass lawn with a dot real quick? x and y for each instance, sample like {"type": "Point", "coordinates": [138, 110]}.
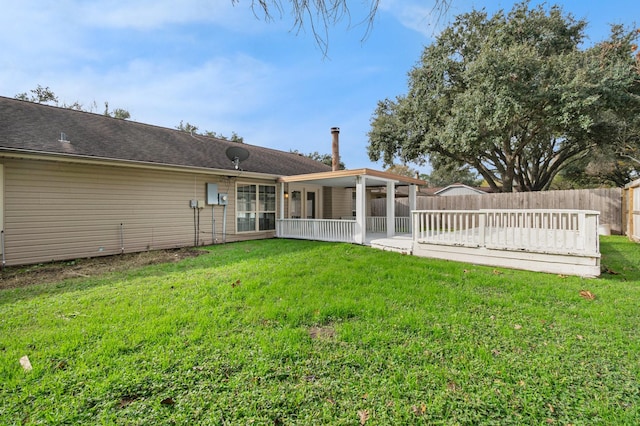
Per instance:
{"type": "Point", "coordinates": [297, 332]}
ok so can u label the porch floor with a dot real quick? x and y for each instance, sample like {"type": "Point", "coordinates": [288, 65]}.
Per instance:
{"type": "Point", "coordinates": [401, 243]}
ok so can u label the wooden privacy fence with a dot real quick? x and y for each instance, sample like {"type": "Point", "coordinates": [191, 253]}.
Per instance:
{"type": "Point", "coordinates": [607, 201]}
{"type": "Point", "coordinates": [631, 210]}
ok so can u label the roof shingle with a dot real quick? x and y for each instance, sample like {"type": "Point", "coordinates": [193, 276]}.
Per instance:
{"type": "Point", "coordinates": [27, 126]}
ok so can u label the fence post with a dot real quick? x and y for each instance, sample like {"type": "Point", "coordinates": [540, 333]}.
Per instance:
{"type": "Point", "coordinates": [630, 213]}
{"type": "Point", "coordinates": [582, 231]}
{"type": "Point", "coordinates": [482, 223]}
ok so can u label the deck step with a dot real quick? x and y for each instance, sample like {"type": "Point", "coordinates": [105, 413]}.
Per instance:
{"type": "Point", "coordinates": [404, 246]}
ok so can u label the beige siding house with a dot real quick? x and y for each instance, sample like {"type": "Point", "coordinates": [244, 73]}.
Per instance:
{"type": "Point", "coordinates": [76, 184]}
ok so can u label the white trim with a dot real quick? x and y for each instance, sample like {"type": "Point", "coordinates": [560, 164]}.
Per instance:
{"type": "Point", "coordinates": [361, 207]}
{"type": "Point", "coordinates": [257, 210]}
{"type": "Point", "coordinates": [102, 161]}
{"type": "Point", "coordinates": [413, 202]}
{"type": "Point", "coordinates": [458, 185]}
{"type": "Point", "coordinates": [391, 209]}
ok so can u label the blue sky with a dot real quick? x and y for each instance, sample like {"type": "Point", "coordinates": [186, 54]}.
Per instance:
{"type": "Point", "coordinates": [214, 65]}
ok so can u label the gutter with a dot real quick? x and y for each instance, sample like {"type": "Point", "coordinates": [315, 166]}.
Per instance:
{"type": "Point", "coordinates": [77, 159]}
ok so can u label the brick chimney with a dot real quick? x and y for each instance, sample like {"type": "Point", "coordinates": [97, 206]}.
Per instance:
{"type": "Point", "coordinates": [335, 149]}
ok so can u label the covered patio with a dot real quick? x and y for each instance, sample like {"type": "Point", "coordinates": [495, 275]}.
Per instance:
{"type": "Point", "coordinates": [358, 228]}
{"type": "Point", "coordinates": [550, 240]}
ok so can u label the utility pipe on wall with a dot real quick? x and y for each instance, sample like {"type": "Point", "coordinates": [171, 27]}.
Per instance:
{"type": "Point", "coordinates": [121, 238]}
{"type": "Point", "coordinates": [2, 243]}
{"type": "Point", "coordinates": [224, 224]}
{"type": "Point", "coordinates": [195, 228]}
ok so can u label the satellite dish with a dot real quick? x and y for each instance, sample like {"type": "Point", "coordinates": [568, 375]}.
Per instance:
{"type": "Point", "coordinates": [237, 154]}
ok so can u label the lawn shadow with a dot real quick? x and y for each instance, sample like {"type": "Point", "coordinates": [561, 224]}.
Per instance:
{"type": "Point", "coordinates": [220, 255]}
{"type": "Point", "coordinates": [620, 259]}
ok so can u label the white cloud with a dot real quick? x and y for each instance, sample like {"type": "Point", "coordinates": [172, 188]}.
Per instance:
{"type": "Point", "coordinates": [166, 61]}
{"type": "Point", "coordinates": [218, 90]}
{"type": "Point", "coordinates": [153, 14]}
{"type": "Point", "coordinates": [424, 17]}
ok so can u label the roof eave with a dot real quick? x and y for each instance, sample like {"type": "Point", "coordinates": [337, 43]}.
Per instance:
{"type": "Point", "coordinates": [81, 159]}
{"type": "Point", "coordinates": [341, 174]}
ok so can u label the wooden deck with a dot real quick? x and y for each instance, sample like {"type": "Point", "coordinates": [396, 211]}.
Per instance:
{"type": "Point", "coordinates": [554, 241]}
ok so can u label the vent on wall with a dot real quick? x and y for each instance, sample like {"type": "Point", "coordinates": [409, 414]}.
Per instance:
{"type": "Point", "coordinates": [63, 137]}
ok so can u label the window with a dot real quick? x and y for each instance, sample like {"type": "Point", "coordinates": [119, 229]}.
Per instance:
{"type": "Point", "coordinates": [296, 205]}
{"type": "Point", "coordinates": [256, 208]}
{"type": "Point", "coordinates": [354, 208]}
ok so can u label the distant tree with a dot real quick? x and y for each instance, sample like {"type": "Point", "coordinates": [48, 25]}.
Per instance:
{"type": "Point", "coordinates": [187, 127]}
{"type": "Point", "coordinates": [513, 96]}
{"type": "Point", "coordinates": [319, 15]}
{"type": "Point", "coordinates": [193, 129]}
{"type": "Point", "coordinates": [445, 174]}
{"type": "Point", "coordinates": [39, 95]}
{"type": "Point", "coordinates": [44, 95]}
{"type": "Point", "coordinates": [76, 106]}
{"type": "Point", "coordinates": [321, 158]}
{"type": "Point", "coordinates": [234, 136]}
{"type": "Point", "coordinates": [119, 113]}
{"type": "Point", "coordinates": [402, 170]}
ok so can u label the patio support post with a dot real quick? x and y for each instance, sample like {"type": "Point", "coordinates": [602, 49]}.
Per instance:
{"type": "Point", "coordinates": [413, 201]}
{"type": "Point", "coordinates": [361, 210]}
{"type": "Point", "coordinates": [391, 209]}
{"type": "Point", "coordinates": [282, 201]}
{"type": "Point", "coordinates": [281, 208]}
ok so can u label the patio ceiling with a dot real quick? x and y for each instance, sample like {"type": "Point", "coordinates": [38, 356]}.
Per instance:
{"type": "Point", "coordinates": [347, 178]}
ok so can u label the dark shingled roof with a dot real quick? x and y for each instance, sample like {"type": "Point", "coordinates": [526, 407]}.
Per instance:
{"type": "Point", "coordinates": [27, 126]}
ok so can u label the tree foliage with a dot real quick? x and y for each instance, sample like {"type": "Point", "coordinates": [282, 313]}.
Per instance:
{"type": "Point", "coordinates": [44, 95]}
{"type": "Point", "coordinates": [402, 170]}
{"type": "Point", "coordinates": [609, 165]}
{"type": "Point", "coordinates": [321, 158]}
{"type": "Point", "coordinates": [39, 95]}
{"type": "Point", "coordinates": [447, 174]}
{"type": "Point", "coordinates": [193, 129]}
{"type": "Point", "coordinates": [233, 138]}
{"type": "Point", "coordinates": [120, 113]}
{"type": "Point", "coordinates": [513, 96]}
{"type": "Point", "coordinates": [187, 127]}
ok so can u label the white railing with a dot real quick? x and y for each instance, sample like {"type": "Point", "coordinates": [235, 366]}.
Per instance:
{"type": "Point", "coordinates": [548, 231]}
{"type": "Point", "coordinates": [335, 230]}
{"type": "Point", "coordinates": [378, 224]}
{"type": "Point", "coordinates": [317, 229]}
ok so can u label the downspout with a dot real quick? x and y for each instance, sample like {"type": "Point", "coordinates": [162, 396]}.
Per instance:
{"type": "Point", "coordinates": [224, 224]}
{"type": "Point", "coordinates": [198, 229]}
{"type": "Point", "coordinates": [213, 224]}
{"type": "Point", "coordinates": [121, 239]}
{"type": "Point", "coordinates": [195, 228]}
{"type": "Point", "coordinates": [2, 243]}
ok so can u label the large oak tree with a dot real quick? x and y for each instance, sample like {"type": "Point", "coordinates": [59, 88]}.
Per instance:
{"type": "Point", "coordinates": [512, 95]}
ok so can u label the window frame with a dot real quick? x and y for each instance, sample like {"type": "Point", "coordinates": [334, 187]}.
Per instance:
{"type": "Point", "coordinates": [258, 206]}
